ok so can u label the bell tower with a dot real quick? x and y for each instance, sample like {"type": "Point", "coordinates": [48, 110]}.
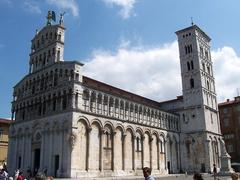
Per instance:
{"type": "Point", "coordinates": [48, 44]}
{"type": "Point", "coordinates": [199, 94]}
{"type": "Point", "coordinates": [199, 116]}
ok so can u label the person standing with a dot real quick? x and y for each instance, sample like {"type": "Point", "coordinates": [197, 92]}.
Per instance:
{"type": "Point", "coordinates": [20, 176]}
{"type": "Point", "coordinates": [4, 174]}
{"type": "Point", "coordinates": [235, 176]}
{"type": "Point", "coordinates": [16, 174]}
{"type": "Point", "coordinates": [214, 171]}
{"type": "Point", "coordinates": [147, 173]}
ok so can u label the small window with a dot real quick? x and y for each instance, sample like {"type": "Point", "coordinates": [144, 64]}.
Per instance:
{"type": "Point", "coordinates": [192, 83]}
{"type": "Point", "coordinates": [208, 69]}
{"type": "Point", "coordinates": [201, 51]}
{"type": "Point", "coordinates": [189, 49]}
{"type": "Point", "coordinates": [237, 108]}
{"type": "Point", "coordinates": [225, 110]}
{"type": "Point", "coordinates": [203, 66]}
{"type": "Point", "coordinates": [64, 102]}
{"type": "Point", "coordinates": [161, 147]}
{"type": "Point", "coordinates": [186, 50]}
{"type": "Point", "coordinates": [192, 66]}
{"type": "Point", "coordinates": [230, 148]}
{"type": "Point", "coordinates": [208, 85]}
{"type": "Point", "coordinates": [206, 54]}
{"type": "Point", "coordinates": [1, 134]}
{"type": "Point", "coordinates": [226, 122]}
{"type": "Point", "coordinates": [188, 66]}
{"type": "Point", "coordinates": [107, 139]}
{"type": "Point", "coordinates": [54, 102]}
{"type": "Point", "coordinates": [40, 110]}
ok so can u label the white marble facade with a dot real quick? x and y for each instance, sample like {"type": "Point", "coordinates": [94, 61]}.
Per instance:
{"type": "Point", "coordinates": [72, 126]}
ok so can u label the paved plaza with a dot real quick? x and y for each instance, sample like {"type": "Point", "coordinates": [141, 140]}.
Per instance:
{"type": "Point", "coordinates": [168, 177]}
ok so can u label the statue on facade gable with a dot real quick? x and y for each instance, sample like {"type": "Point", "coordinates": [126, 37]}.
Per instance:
{"type": "Point", "coordinates": [51, 17]}
{"type": "Point", "coordinates": [61, 18]}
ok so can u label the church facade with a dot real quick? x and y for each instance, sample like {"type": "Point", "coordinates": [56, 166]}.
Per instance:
{"type": "Point", "coordinates": [69, 125]}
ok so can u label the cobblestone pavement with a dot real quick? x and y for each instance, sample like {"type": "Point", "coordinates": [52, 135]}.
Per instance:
{"type": "Point", "coordinates": [169, 177]}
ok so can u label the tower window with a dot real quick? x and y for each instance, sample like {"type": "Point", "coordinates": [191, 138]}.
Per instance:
{"type": "Point", "coordinates": [54, 104]}
{"type": "Point", "coordinates": [64, 101]}
{"type": "Point", "coordinates": [42, 40]}
{"type": "Point", "coordinates": [23, 114]}
{"type": "Point", "coordinates": [59, 37]}
{"type": "Point", "coordinates": [208, 85]}
{"type": "Point", "coordinates": [188, 66]}
{"type": "Point", "coordinates": [40, 110]}
{"type": "Point", "coordinates": [192, 65]}
{"type": "Point", "coordinates": [206, 54]}
{"type": "Point", "coordinates": [203, 66]}
{"type": "Point", "coordinates": [192, 83]}
{"type": "Point", "coordinates": [201, 51]}
{"type": "Point", "coordinates": [208, 69]}
{"type": "Point", "coordinates": [188, 49]}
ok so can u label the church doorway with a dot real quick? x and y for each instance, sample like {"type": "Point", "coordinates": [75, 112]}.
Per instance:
{"type": "Point", "coordinates": [36, 163]}
{"type": "Point", "coordinates": [56, 165]}
{"type": "Point", "coordinates": [169, 167]}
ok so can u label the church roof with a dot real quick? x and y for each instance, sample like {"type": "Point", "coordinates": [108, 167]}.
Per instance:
{"type": "Point", "coordinates": [94, 84]}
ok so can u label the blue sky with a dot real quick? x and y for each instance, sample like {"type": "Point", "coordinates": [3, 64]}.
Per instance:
{"type": "Point", "coordinates": [127, 43]}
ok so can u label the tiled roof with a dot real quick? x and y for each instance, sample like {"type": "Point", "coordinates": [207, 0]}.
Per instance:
{"type": "Point", "coordinates": [118, 92]}
{"type": "Point", "coordinates": [228, 102]}
{"type": "Point", "coordinates": [7, 121]}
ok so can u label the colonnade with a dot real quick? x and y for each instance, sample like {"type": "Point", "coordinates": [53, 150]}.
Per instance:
{"type": "Point", "coordinates": [121, 150]}
{"type": "Point", "coordinates": [112, 106]}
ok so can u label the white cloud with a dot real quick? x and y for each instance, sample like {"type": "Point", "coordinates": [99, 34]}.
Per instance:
{"type": "Point", "coordinates": [155, 72]}
{"type": "Point", "coordinates": [65, 5]}
{"type": "Point", "coordinates": [150, 72]}
{"type": "Point", "coordinates": [125, 5]}
{"type": "Point", "coordinates": [32, 7]}
{"type": "Point", "coordinates": [227, 72]}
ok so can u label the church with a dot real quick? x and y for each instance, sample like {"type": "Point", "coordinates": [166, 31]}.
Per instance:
{"type": "Point", "coordinates": [69, 125]}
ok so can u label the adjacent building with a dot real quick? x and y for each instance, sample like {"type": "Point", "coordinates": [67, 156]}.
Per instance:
{"type": "Point", "coordinates": [75, 126]}
{"type": "Point", "coordinates": [4, 128]}
{"type": "Point", "coordinates": [229, 113]}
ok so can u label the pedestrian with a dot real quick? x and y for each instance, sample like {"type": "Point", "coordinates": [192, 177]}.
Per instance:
{"type": "Point", "coordinates": [4, 174]}
{"type": "Point", "coordinates": [214, 171]}
{"type": "Point", "coordinates": [197, 176]}
{"type": "Point", "coordinates": [235, 176]}
{"type": "Point", "coordinates": [147, 173]}
{"type": "Point", "coordinates": [16, 174]}
{"type": "Point", "coordinates": [20, 176]}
